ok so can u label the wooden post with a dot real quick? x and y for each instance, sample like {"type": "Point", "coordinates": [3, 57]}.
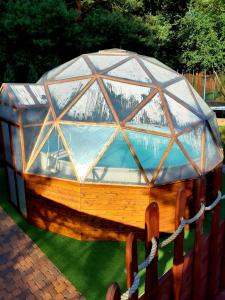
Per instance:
{"type": "Point", "coordinates": [131, 262]}
{"type": "Point", "coordinates": [214, 259]}
{"type": "Point", "coordinates": [222, 276]}
{"type": "Point", "coordinates": [197, 288]}
{"type": "Point", "coordinates": [178, 259]}
{"type": "Point", "coordinates": [151, 230]}
{"type": "Point", "coordinates": [113, 292]}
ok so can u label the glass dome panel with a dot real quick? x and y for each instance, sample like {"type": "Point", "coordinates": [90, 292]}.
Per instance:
{"type": "Point", "coordinates": [160, 74]}
{"type": "Point", "coordinates": [102, 62]}
{"type": "Point", "coordinates": [7, 145]}
{"type": "Point", "coordinates": [212, 156]}
{"type": "Point", "coordinates": [12, 185]}
{"type": "Point", "coordinates": [203, 105]}
{"type": "Point", "coordinates": [125, 97]}
{"type": "Point", "coordinates": [151, 117]}
{"type": "Point", "coordinates": [214, 127]}
{"type": "Point", "coordinates": [35, 115]}
{"type": "Point", "coordinates": [30, 135]}
{"type": "Point", "coordinates": [64, 93]}
{"type": "Point", "coordinates": [53, 160]}
{"type": "Point", "coordinates": [76, 69]}
{"type": "Point", "coordinates": [192, 143]}
{"type": "Point", "coordinates": [175, 167]}
{"type": "Point", "coordinates": [91, 107]}
{"type": "Point", "coordinates": [117, 165]}
{"type": "Point", "coordinates": [182, 118]}
{"type": "Point", "coordinates": [130, 70]}
{"type": "Point", "coordinates": [16, 148]}
{"type": "Point", "coordinates": [181, 91]}
{"type": "Point", "coordinates": [149, 149]}
{"type": "Point", "coordinates": [85, 144]}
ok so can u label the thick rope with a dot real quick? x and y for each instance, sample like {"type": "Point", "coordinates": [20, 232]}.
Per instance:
{"type": "Point", "coordinates": [142, 266]}
{"type": "Point", "coordinates": [170, 239]}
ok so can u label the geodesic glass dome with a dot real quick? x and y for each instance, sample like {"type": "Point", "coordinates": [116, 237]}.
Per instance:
{"type": "Point", "coordinates": [114, 117]}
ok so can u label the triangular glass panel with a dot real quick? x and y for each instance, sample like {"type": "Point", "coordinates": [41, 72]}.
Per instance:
{"type": "Point", "coordinates": [149, 149]}
{"type": "Point", "coordinates": [201, 102]}
{"type": "Point", "coordinates": [54, 72]}
{"type": "Point", "coordinates": [156, 62]}
{"type": "Point", "coordinates": [30, 135]}
{"type": "Point", "coordinates": [78, 68]}
{"type": "Point", "coordinates": [53, 160]}
{"type": "Point", "coordinates": [125, 97]}
{"type": "Point", "coordinates": [181, 91]}
{"type": "Point", "coordinates": [151, 117]}
{"type": "Point", "coordinates": [43, 132]}
{"type": "Point", "coordinates": [212, 156]}
{"type": "Point", "coordinates": [175, 167]}
{"type": "Point", "coordinates": [102, 62]}
{"type": "Point", "coordinates": [214, 126]}
{"type": "Point", "coordinates": [50, 117]}
{"type": "Point", "coordinates": [117, 165]}
{"type": "Point", "coordinates": [64, 93]}
{"type": "Point", "coordinates": [160, 74]}
{"type": "Point", "coordinates": [91, 107]}
{"type": "Point", "coordinates": [34, 115]}
{"type": "Point", "coordinates": [85, 144]}
{"type": "Point", "coordinates": [192, 143]}
{"type": "Point", "coordinates": [39, 93]}
{"type": "Point", "coordinates": [182, 117]}
{"type": "Point", "coordinates": [130, 70]}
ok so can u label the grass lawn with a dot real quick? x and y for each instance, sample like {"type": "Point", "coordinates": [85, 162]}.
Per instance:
{"type": "Point", "coordinates": [90, 266]}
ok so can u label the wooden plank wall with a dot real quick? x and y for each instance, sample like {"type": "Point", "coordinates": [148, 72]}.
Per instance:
{"type": "Point", "coordinates": [97, 211]}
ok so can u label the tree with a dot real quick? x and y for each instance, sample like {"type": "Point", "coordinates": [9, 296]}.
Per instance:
{"type": "Point", "coordinates": [202, 35]}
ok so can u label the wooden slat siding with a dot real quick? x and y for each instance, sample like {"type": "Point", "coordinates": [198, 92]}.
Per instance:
{"type": "Point", "coordinates": [214, 267]}
{"type": "Point", "coordinates": [178, 258]}
{"type": "Point", "coordinates": [113, 292]}
{"type": "Point", "coordinates": [165, 286]}
{"type": "Point", "coordinates": [187, 277]}
{"type": "Point", "coordinates": [197, 287]}
{"type": "Point", "coordinates": [151, 230]}
{"type": "Point", "coordinates": [222, 281]}
{"type": "Point", "coordinates": [205, 265]}
{"type": "Point", "coordinates": [131, 262]}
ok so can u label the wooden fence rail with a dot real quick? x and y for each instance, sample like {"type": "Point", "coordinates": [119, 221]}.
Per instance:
{"type": "Point", "coordinates": [198, 275]}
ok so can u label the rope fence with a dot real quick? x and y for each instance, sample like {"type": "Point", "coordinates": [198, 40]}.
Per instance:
{"type": "Point", "coordinates": [171, 238]}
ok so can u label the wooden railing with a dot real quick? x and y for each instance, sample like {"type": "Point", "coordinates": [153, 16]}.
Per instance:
{"type": "Point", "coordinates": [198, 275]}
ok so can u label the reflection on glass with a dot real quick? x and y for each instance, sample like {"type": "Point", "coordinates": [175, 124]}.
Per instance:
{"type": "Point", "coordinates": [23, 97]}
{"type": "Point", "coordinates": [12, 185]}
{"type": "Point", "coordinates": [16, 147]}
{"type": "Point", "coordinates": [8, 113]}
{"type": "Point", "coordinates": [102, 62]}
{"type": "Point", "coordinates": [181, 91]}
{"type": "Point", "coordinates": [149, 149]}
{"type": "Point", "coordinates": [34, 115]}
{"type": "Point", "coordinates": [175, 167]}
{"type": "Point", "coordinates": [192, 142]}
{"type": "Point", "coordinates": [212, 156]}
{"type": "Point", "coordinates": [151, 117]}
{"type": "Point", "coordinates": [63, 93]}
{"type": "Point", "coordinates": [39, 93]}
{"type": "Point", "coordinates": [53, 160]}
{"type": "Point", "coordinates": [91, 107]}
{"type": "Point", "coordinates": [182, 118]}
{"type": "Point", "coordinates": [214, 127]}
{"type": "Point", "coordinates": [130, 70]}
{"type": "Point", "coordinates": [203, 105]}
{"type": "Point", "coordinates": [78, 68]}
{"type": "Point", "coordinates": [30, 135]}
{"type": "Point", "coordinates": [125, 97]}
{"type": "Point", "coordinates": [117, 165]}
{"type": "Point", "coordinates": [7, 146]}
{"type": "Point", "coordinates": [21, 195]}
{"type": "Point", "coordinates": [159, 73]}
{"type": "Point", "coordinates": [85, 144]}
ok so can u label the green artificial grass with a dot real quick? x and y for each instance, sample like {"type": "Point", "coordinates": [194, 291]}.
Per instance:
{"type": "Point", "coordinates": [90, 266]}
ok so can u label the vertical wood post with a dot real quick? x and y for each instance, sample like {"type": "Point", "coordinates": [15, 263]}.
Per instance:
{"type": "Point", "coordinates": [222, 276]}
{"type": "Point", "coordinates": [151, 230]}
{"type": "Point", "coordinates": [113, 292]}
{"type": "Point", "coordinates": [131, 262]}
{"type": "Point", "coordinates": [197, 288]}
{"type": "Point", "coordinates": [214, 259]}
{"type": "Point", "coordinates": [178, 259]}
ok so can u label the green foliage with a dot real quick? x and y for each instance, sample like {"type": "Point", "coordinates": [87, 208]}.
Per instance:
{"type": "Point", "coordinates": [39, 35]}
{"type": "Point", "coordinates": [202, 35]}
